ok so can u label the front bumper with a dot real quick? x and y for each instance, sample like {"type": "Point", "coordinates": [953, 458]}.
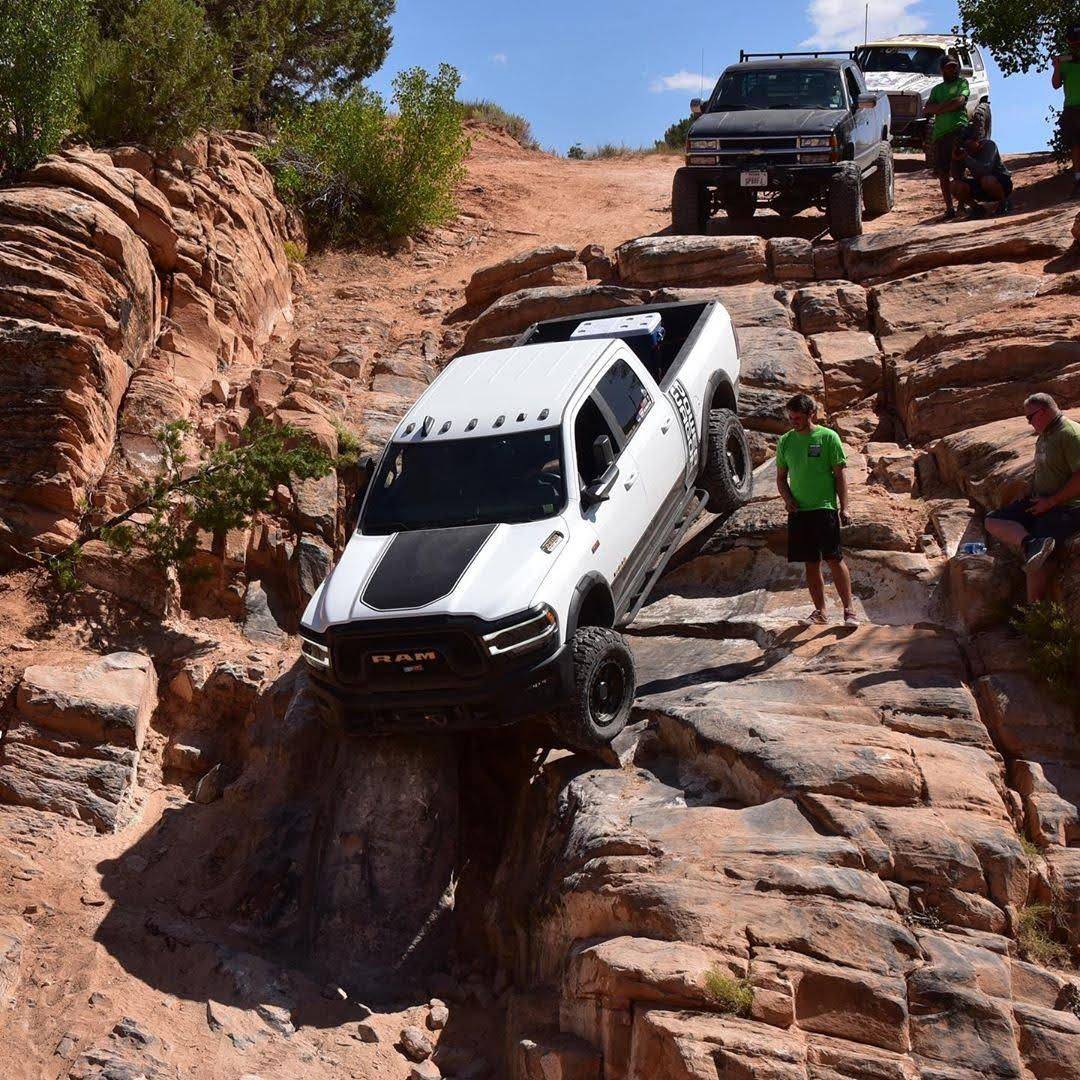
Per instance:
{"type": "Point", "coordinates": [781, 176]}
{"type": "Point", "coordinates": [498, 692]}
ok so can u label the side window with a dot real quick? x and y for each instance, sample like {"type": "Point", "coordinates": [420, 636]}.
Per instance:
{"type": "Point", "coordinates": [852, 87]}
{"type": "Point", "coordinates": [589, 425]}
{"type": "Point", "coordinates": [623, 393]}
{"type": "Point", "coordinates": [976, 60]}
{"type": "Point", "coordinates": [965, 59]}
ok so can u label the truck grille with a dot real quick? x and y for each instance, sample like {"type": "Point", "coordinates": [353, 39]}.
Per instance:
{"type": "Point", "coordinates": [422, 659]}
{"type": "Point", "coordinates": [765, 143]}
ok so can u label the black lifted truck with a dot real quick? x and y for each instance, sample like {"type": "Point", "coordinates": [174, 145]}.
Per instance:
{"type": "Point", "coordinates": [787, 133]}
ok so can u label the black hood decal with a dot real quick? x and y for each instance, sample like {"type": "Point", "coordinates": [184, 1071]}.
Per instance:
{"type": "Point", "coordinates": [418, 568]}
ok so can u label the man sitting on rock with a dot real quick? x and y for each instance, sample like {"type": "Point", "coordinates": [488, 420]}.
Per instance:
{"type": "Point", "coordinates": [810, 462]}
{"type": "Point", "coordinates": [984, 177]}
{"type": "Point", "coordinates": [1051, 514]}
{"type": "Point", "coordinates": [948, 107]}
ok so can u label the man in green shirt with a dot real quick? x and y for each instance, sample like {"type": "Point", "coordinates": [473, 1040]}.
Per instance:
{"type": "Point", "coordinates": [810, 462]}
{"type": "Point", "coordinates": [948, 107]}
{"type": "Point", "coordinates": [1067, 75]}
{"type": "Point", "coordinates": [1051, 514]}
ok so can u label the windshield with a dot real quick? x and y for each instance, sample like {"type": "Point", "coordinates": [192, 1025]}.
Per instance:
{"type": "Point", "coordinates": [917, 59]}
{"type": "Point", "coordinates": [786, 88]}
{"type": "Point", "coordinates": [436, 485]}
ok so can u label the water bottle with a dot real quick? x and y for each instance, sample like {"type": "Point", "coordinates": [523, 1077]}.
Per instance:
{"type": "Point", "coordinates": [976, 548]}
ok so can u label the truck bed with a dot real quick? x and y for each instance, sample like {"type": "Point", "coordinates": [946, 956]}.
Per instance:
{"type": "Point", "coordinates": [682, 323]}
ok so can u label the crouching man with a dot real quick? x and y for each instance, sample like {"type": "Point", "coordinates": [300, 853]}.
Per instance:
{"type": "Point", "coordinates": [810, 462]}
{"type": "Point", "coordinates": [1051, 514]}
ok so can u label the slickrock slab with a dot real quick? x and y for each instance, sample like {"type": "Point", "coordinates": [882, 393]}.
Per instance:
{"type": "Point", "coordinates": [13, 934]}
{"type": "Point", "coordinates": [946, 296]}
{"type": "Point", "coordinates": [791, 258]}
{"type": "Point", "coordinates": [775, 365]}
{"type": "Point", "coordinates": [515, 312]}
{"type": "Point", "coordinates": [491, 282]}
{"type": "Point", "coordinates": [676, 261]}
{"type": "Point", "coordinates": [851, 366]}
{"type": "Point", "coordinates": [74, 746]}
{"type": "Point", "coordinates": [974, 373]}
{"type": "Point", "coordinates": [748, 305]}
{"type": "Point", "coordinates": [893, 252]}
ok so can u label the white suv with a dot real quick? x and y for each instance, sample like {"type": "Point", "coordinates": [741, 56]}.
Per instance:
{"type": "Point", "coordinates": [522, 511]}
{"type": "Point", "coordinates": [908, 66]}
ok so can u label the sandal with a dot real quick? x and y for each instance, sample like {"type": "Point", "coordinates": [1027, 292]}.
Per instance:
{"type": "Point", "coordinates": [816, 618]}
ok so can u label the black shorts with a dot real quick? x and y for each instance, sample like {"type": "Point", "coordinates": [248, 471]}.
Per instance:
{"type": "Point", "coordinates": [1070, 125]}
{"type": "Point", "coordinates": [979, 195]}
{"type": "Point", "coordinates": [1059, 523]}
{"type": "Point", "coordinates": [941, 157]}
{"type": "Point", "coordinates": [813, 535]}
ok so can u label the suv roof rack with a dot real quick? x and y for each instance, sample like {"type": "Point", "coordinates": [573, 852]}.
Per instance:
{"type": "Point", "coordinates": [744, 56]}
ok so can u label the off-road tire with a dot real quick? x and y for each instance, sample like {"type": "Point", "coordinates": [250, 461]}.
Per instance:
{"type": "Point", "coordinates": [605, 682]}
{"type": "Point", "coordinates": [983, 119]}
{"type": "Point", "coordinates": [728, 473]}
{"type": "Point", "coordinates": [689, 205]}
{"type": "Point", "coordinates": [879, 191]}
{"type": "Point", "coordinates": [739, 205]}
{"type": "Point", "coordinates": [845, 202]}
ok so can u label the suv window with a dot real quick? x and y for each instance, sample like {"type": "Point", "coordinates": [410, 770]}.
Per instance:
{"type": "Point", "coordinates": [852, 87]}
{"type": "Point", "coordinates": [976, 60]}
{"type": "Point", "coordinates": [625, 395]}
{"type": "Point", "coordinates": [589, 426]}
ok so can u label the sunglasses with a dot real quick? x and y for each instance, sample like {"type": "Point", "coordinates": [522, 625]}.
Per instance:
{"type": "Point", "coordinates": [1034, 412]}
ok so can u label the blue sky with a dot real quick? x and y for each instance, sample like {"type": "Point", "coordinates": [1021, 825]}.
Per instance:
{"type": "Point", "coordinates": [593, 71]}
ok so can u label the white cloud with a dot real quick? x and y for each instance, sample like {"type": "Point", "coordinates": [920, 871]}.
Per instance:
{"type": "Point", "coordinates": [685, 81]}
{"type": "Point", "coordinates": [838, 24]}
{"type": "Point", "coordinates": [499, 58]}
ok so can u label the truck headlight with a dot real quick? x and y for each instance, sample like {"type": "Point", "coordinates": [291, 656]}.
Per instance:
{"type": "Point", "coordinates": [530, 633]}
{"type": "Point", "coordinates": [816, 142]}
{"type": "Point", "coordinates": [314, 652]}
{"type": "Point", "coordinates": [702, 144]}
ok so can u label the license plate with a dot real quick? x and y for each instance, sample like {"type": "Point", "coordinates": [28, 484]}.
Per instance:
{"type": "Point", "coordinates": [754, 178]}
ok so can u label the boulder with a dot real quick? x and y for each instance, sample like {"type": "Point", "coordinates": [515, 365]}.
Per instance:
{"type": "Point", "coordinates": [1042, 234]}
{"type": "Point", "coordinates": [655, 261]}
{"type": "Point", "coordinates": [775, 365]}
{"type": "Point", "coordinates": [516, 311]}
{"type": "Point", "coordinates": [491, 282]}
{"type": "Point", "coordinates": [790, 258]}
{"type": "Point", "coordinates": [850, 366]}
{"type": "Point", "coordinates": [830, 307]}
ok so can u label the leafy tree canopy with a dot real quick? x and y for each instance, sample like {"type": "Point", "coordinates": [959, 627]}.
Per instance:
{"type": "Point", "coordinates": [1021, 34]}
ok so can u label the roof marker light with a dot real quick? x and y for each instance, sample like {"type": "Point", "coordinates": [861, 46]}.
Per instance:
{"type": "Point", "coordinates": [543, 414]}
{"type": "Point", "coordinates": [499, 422]}
{"type": "Point", "coordinates": [429, 423]}
{"type": "Point", "coordinates": [409, 429]}
{"type": "Point", "coordinates": [471, 424]}
{"type": "Point", "coordinates": [521, 416]}
{"type": "Point", "coordinates": [445, 428]}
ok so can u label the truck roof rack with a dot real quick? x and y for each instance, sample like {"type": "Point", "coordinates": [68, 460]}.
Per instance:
{"type": "Point", "coordinates": [744, 56]}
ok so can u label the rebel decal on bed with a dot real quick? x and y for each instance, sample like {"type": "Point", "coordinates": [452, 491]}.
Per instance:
{"type": "Point", "coordinates": [417, 568]}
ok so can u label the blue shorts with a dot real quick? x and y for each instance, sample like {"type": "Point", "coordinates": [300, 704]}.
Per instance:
{"type": "Point", "coordinates": [1059, 523]}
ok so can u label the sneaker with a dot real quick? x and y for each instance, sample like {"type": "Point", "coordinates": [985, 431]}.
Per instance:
{"type": "Point", "coordinates": [850, 618]}
{"type": "Point", "coordinates": [815, 618]}
{"type": "Point", "coordinates": [1006, 208]}
{"type": "Point", "coordinates": [949, 215]}
{"type": "Point", "coordinates": [1037, 550]}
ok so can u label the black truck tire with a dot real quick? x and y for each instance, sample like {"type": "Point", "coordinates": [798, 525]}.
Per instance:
{"type": "Point", "coordinates": [728, 474]}
{"type": "Point", "coordinates": [689, 205]}
{"type": "Point", "coordinates": [845, 202]}
{"type": "Point", "coordinates": [739, 205]}
{"type": "Point", "coordinates": [605, 683]}
{"type": "Point", "coordinates": [983, 120]}
{"type": "Point", "coordinates": [879, 191]}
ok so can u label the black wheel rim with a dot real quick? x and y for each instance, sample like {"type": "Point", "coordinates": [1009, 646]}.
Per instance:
{"type": "Point", "coordinates": [736, 458]}
{"type": "Point", "coordinates": [608, 693]}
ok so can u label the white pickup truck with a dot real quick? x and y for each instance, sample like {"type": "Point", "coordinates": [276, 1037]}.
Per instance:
{"type": "Point", "coordinates": [522, 511]}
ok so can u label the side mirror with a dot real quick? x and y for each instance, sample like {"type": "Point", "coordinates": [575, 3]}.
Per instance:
{"type": "Point", "coordinates": [604, 461]}
{"type": "Point", "coordinates": [697, 106]}
{"type": "Point", "coordinates": [602, 453]}
{"type": "Point", "coordinates": [867, 101]}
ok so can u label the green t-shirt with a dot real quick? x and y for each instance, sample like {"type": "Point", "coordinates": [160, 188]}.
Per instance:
{"type": "Point", "coordinates": [1057, 457]}
{"type": "Point", "coordinates": [1070, 78]}
{"type": "Point", "coordinates": [950, 121]}
{"type": "Point", "coordinates": [810, 460]}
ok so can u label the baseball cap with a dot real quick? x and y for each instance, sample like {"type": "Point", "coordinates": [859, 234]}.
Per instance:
{"type": "Point", "coordinates": [949, 61]}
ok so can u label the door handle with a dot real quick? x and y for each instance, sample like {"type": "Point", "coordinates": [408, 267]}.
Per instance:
{"type": "Point", "coordinates": [629, 480]}
{"type": "Point", "coordinates": [665, 425]}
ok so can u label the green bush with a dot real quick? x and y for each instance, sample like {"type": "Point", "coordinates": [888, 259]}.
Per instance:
{"type": "Point", "coordinates": [1037, 928]}
{"type": "Point", "coordinates": [576, 152]}
{"type": "Point", "coordinates": [1052, 640]}
{"type": "Point", "coordinates": [517, 127]}
{"type": "Point", "coordinates": [354, 168]}
{"type": "Point", "coordinates": [161, 78]}
{"type": "Point", "coordinates": [41, 50]}
{"type": "Point", "coordinates": [730, 995]}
